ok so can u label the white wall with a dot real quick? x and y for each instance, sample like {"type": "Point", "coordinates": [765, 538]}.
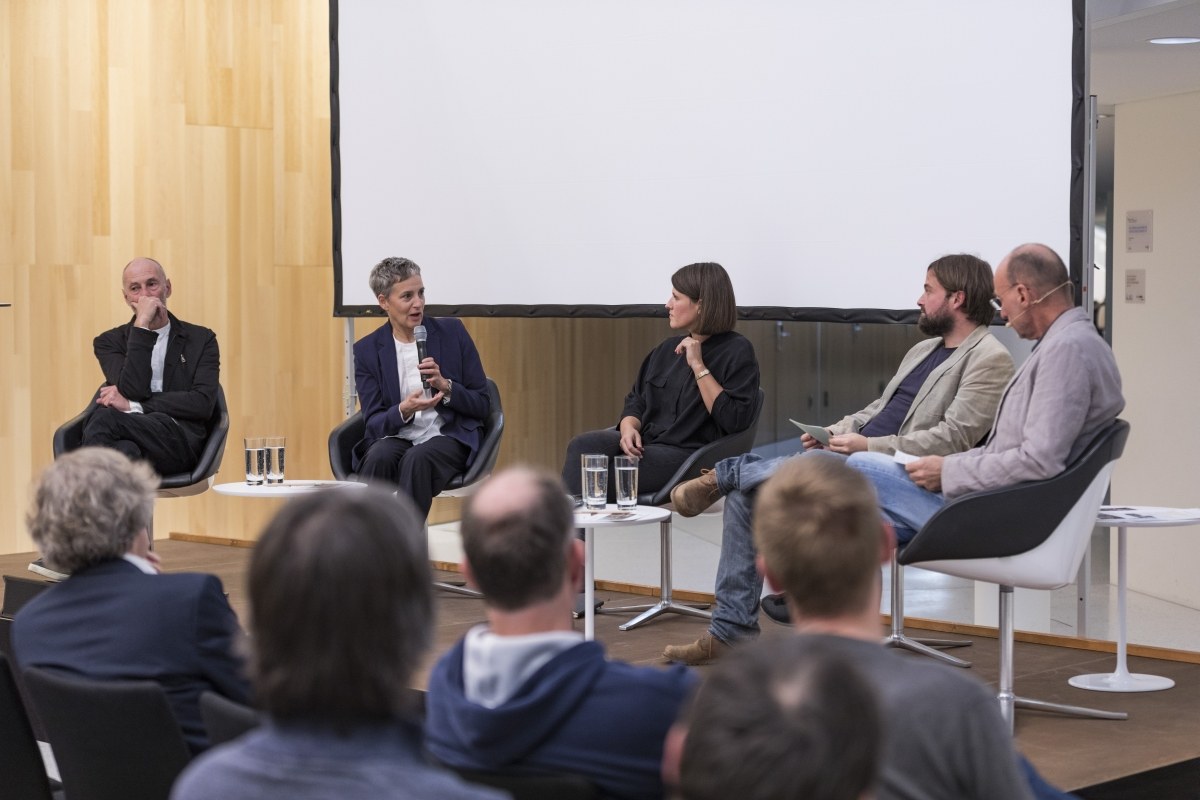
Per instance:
{"type": "Point", "coordinates": [1157, 345]}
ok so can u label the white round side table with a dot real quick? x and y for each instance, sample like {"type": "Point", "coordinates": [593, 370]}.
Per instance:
{"type": "Point", "coordinates": [1122, 518]}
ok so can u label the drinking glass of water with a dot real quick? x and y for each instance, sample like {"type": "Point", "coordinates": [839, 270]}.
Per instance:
{"type": "Point", "coordinates": [256, 460]}
{"type": "Point", "coordinates": [627, 481]}
{"type": "Point", "coordinates": [595, 481]}
{"type": "Point", "coordinates": [274, 445]}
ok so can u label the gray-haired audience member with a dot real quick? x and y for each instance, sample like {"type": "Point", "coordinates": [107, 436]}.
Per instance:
{"type": "Point", "coordinates": [525, 694]}
{"type": "Point", "coordinates": [341, 612]}
{"type": "Point", "coordinates": [820, 538]}
{"type": "Point", "coordinates": [782, 719]}
{"type": "Point", "coordinates": [115, 617]}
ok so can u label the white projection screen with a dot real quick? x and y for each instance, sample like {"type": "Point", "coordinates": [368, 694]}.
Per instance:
{"type": "Point", "coordinates": [563, 157]}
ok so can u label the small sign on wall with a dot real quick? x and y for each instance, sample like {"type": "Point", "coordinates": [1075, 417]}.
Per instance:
{"type": "Point", "coordinates": [1135, 286]}
{"type": "Point", "coordinates": [1139, 231]}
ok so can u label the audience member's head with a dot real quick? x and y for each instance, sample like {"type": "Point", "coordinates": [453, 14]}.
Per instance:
{"type": "Point", "coordinates": [390, 271]}
{"type": "Point", "coordinates": [517, 534]}
{"type": "Point", "coordinates": [819, 536]}
{"type": "Point", "coordinates": [707, 283]}
{"type": "Point", "coordinates": [91, 505]}
{"type": "Point", "coordinates": [972, 276]}
{"type": "Point", "coordinates": [341, 608]}
{"type": "Point", "coordinates": [786, 718]}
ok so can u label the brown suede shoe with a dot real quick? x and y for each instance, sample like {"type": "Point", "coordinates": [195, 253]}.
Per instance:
{"type": "Point", "coordinates": [704, 650]}
{"type": "Point", "coordinates": [695, 496]}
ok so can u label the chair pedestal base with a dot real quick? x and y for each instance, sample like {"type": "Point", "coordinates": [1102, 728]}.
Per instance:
{"type": "Point", "coordinates": [1063, 708]}
{"type": "Point", "coordinates": [667, 604]}
{"type": "Point", "coordinates": [1009, 700]}
{"type": "Point", "coordinates": [650, 611]}
{"type": "Point", "coordinates": [925, 647]}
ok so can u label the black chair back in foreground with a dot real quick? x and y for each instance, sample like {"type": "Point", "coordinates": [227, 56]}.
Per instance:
{"type": "Point", "coordinates": [1032, 535]}
{"type": "Point", "coordinates": [18, 591]}
{"type": "Point", "coordinates": [226, 719]}
{"type": "Point", "coordinates": [113, 740]}
{"type": "Point", "coordinates": [22, 772]}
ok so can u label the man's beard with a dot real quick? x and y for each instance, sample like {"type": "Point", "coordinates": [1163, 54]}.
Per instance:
{"type": "Point", "coordinates": [938, 325]}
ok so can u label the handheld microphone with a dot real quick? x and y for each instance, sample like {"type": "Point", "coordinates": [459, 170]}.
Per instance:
{"type": "Point", "coordinates": [420, 336]}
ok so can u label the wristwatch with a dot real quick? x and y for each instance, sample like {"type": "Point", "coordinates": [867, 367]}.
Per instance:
{"type": "Point", "coordinates": [446, 393]}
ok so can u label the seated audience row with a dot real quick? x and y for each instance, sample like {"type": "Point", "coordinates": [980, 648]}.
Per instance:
{"type": "Point", "coordinates": [341, 609]}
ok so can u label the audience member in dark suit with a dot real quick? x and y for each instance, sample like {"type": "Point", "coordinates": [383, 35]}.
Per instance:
{"type": "Point", "coordinates": [341, 605]}
{"type": "Point", "coordinates": [525, 693]}
{"type": "Point", "coordinates": [161, 376]}
{"type": "Point", "coordinates": [417, 438]}
{"type": "Point", "coordinates": [780, 718]}
{"type": "Point", "coordinates": [691, 389]}
{"type": "Point", "coordinates": [116, 617]}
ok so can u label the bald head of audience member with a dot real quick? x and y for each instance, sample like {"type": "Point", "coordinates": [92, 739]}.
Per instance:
{"type": "Point", "coordinates": [341, 608]}
{"type": "Point", "coordinates": [92, 505]}
{"type": "Point", "coordinates": [1033, 288]}
{"type": "Point", "coordinates": [820, 539]}
{"type": "Point", "coordinates": [519, 547]}
{"type": "Point", "coordinates": [782, 719]}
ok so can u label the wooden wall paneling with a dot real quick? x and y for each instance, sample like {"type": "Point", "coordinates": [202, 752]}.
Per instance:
{"type": "Point", "coordinates": [174, 129]}
{"type": "Point", "coordinates": [303, 216]}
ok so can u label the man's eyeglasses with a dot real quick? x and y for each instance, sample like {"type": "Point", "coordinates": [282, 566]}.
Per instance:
{"type": "Point", "coordinates": [996, 299]}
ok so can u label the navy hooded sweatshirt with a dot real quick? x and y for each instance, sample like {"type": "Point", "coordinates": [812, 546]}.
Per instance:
{"type": "Point", "coordinates": [579, 713]}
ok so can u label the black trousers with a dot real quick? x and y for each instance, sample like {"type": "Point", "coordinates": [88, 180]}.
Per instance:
{"type": "Point", "coordinates": [419, 470]}
{"type": "Point", "coordinates": [659, 461]}
{"type": "Point", "coordinates": [154, 437]}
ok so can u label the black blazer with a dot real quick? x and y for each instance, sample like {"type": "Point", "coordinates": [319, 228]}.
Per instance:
{"type": "Point", "coordinates": [191, 372]}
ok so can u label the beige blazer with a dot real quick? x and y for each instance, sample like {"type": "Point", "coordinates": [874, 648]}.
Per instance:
{"type": "Point", "coordinates": [954, 407]}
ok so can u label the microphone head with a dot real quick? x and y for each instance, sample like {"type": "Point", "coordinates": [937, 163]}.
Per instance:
{"type": "Point", "coordinates": [419, 333]}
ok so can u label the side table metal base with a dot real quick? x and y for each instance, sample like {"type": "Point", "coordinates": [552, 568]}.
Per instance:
{"type": "Point", "coordinates": [1121, 682]}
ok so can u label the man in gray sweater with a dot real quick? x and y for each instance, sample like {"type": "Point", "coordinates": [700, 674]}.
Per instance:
{"type": "Point", "coordinates": [820, 539]}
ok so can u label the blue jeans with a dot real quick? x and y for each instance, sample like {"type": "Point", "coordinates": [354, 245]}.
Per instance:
{"type": "Point", "coordinates": [739, 584]}
{"type": "Point", "coordinates": [904, 504]}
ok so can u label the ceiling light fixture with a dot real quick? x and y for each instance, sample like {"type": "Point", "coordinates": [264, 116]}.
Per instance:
{"type": "Point", "coordinates": [1175, 40]}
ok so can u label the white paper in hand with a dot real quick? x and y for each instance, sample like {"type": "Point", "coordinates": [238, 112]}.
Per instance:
{"type": "Point", "coordinates": [815, 431]}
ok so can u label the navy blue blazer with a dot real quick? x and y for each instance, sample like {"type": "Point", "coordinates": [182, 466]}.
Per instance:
{"type": "Point", "coordinates": [113, 621]}
{"type": "Point", "coordinates": [378, 382]}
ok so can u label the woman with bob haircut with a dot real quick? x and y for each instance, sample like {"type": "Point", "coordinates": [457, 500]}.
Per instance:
{"type": "Point", "coordinates": [691, 390]}
{"type": "Point", "coordinates": [341, 611]}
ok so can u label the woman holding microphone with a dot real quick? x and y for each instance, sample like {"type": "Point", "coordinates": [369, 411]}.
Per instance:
{"type": "Point", "coordinates": [424, 402]}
